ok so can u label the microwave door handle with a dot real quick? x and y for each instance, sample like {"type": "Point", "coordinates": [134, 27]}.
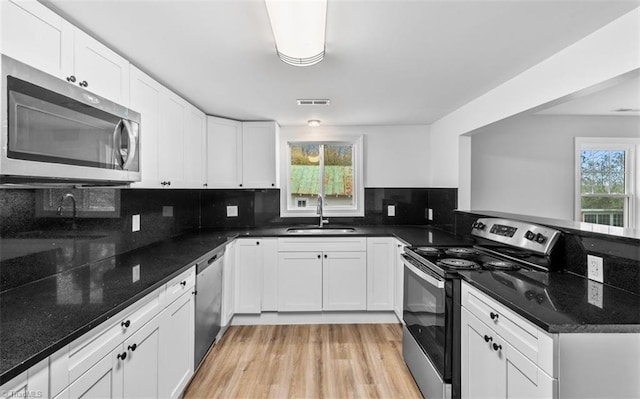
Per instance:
{"type": "Point", "coordinates": [117, 133]}
{"type": "Point", "coordinates": [132, 144]}
{"type": "Point", "coordinates": [436, 282]}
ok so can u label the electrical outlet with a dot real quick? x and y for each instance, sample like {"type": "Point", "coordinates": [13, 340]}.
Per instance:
{"type": "Point", "coordinates": [167, 211]}
{"type": "Point", "coordinates": [430, 214]}
{"type": "Point", "coordinates": [135, 223]}
{"type": "Point", "coordinates": [232, 211]}
{"type": "Point", "coordinates": [595, 270]}
{"type": "Point", "coordinates": [135, 273]}
{"type": "Point", "coordinates": [430, 237]}
{"type": "Point", "coordinates": [594, 296]}
{"type": "Point", "coordinates": [391, 210]}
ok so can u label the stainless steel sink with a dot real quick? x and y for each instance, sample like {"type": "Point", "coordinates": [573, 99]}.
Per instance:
{"type": "Point", "coordinates": [320, 230]}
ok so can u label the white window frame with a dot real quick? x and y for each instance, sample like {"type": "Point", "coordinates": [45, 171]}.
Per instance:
{"type": "Point", "coordinates": [631, 146]}
{"type": "Point", "coordinates": [357, 210]}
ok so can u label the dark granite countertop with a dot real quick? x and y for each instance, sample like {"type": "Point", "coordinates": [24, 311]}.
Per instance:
{"type": "Point", "coordinates": [561, 302]}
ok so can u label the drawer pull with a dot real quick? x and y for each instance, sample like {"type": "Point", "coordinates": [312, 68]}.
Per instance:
{"type": "Point", "coordinates": [122, 356]}
{"type": "Point", "coordinates": [497, 347]}
{"type": "Point", "coordinates": [183, 283]}
{"type": "Point", "coordinates": [488, 338]}
{"type": "Point", "coordinates": [132, 347]}
{"type": "Point", "coordinates": [494, 316]}
{"type": "Point", "coordinates": [125, 324]}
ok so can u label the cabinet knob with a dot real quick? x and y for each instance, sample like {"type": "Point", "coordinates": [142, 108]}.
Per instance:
{"type": "Point", "coordinates": [132, 347]}
{"type": "Point", "coordinates": [240, 184]}
{"type": "Point", "coordinates": [125, 324]}
{"type": "Point", "coordinates": [273, 184]}
{"type": "Point", "coordinates": [183, 283]}
{"type": "Point", "coordinates": [195, 292]}
{"type": "Point", "coordinates": [205, 185]}
{"type": "Point", "coordinates": [497, 347]}
{"type": "Point", "coordinates": [169, 183]}
{"type": "Point", "coordinates": [257, 242]}
{"type": "Point", "coordinates": [319, 256]}
{"type": "Point", "coordinates": [84, 83]}
{"type": "Point", "coordinates": [71, 79]}
{"type": "Point", "coordinates": [487, 338]}
{"type": "Point", "coordinates": [494, 316]}
{"type": "Point", "coordinates": [325, 256]}
{"type": "Point", "coordinates": [122, 356]}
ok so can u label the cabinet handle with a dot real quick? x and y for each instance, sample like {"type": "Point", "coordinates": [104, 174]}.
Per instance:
{"type": "Point", "coordinates": [132, 347]}
{"type": "Point", "coordinates": [497, 347]}
{"type": "Point", "coordinates": [125, 324]}
{"type": "Point", "coordinates": [183, 283]}
{"type": "Point", "coordinates": [488, 338]}
{"type": "Point", "coordinates": [325, 256]}
{"type": "Point", "coordinates": [71, 79]}
{"type": "Point", "coordinates": [195, 292]}
{"type": "Point", "coordinates": [122, 356]}
{"type": "Point", "coordinates": [494, 316]}
{"type": "Point", "coordinates": [84, 83]}
{"type": "Point", "coordinates": [169, 183]}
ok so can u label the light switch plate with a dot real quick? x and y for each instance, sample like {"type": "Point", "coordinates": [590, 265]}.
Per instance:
{"type": "Point", "coordinates": [167, 211]}
{"type": "Point", "coordinates": [135, 273]}
{"type": "Point", "coordinates": [135, 223]}
{"type": "Point", "coordinates": [391, 210]}
{"type": "Point", "coordinates": [430, 214]}
{"type": "Point", "coordinates": [232, 211]}
{"type": "Point", "coordinates": [595, 270]}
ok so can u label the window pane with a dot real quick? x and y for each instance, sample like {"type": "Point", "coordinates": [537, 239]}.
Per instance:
{"type": "Point", "coordinates": [338, 175]}
{"type": "Point", "coordinates": [603, 210]}
{"type": "Point", "coordinates": [305, 175]}
{"type": "Point", "coordinates": [603, 172]}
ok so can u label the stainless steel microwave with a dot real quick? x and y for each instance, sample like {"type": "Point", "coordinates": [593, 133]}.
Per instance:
{"type": "Point", "coordinates": [56, 132]}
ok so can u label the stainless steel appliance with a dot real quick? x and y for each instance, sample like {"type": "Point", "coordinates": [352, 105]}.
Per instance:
{"type": "Point", "coordinates": [431, 315]}
{"type": "Point", "coordinates": [56, 132]}
{"type": "Point", "coordinates": [208, 303]}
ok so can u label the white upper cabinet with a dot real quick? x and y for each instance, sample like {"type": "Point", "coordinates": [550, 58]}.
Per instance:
{"type": "Point", "coordinates": [100, 70]}
{"type": "Point", "coordinates": [145, 99]}
{"type": "Point", "coordinates": [260, 155]}
{"type": "Point", "coordinates": [37, 36]}
{"type": "Point", "coordinates": [242, 154]}
{"type": "Point", "coordinates": [194, 147]}
{"type": "Point", "coordinates": [171, 145]}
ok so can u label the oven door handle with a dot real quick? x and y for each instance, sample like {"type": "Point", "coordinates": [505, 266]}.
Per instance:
{"type": "Point", "coordinates": [429, 278]}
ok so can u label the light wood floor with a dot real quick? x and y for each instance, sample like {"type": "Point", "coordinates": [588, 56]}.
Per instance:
{"type": "Point", "coordinates": [306, 361]}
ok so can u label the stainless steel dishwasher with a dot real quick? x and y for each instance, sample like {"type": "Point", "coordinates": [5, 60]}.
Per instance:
{"type": "Point", "coordinates": [208, 302]}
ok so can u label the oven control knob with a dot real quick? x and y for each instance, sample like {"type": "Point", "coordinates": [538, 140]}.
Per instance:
{"type": "Point", "coordinates": [529, 235]}
{"type": "Point", "coordinates": [540, 238]}
{"type": "Point", "coordinates": [479, 225]}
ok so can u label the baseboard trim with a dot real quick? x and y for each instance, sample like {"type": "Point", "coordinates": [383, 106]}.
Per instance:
{"type": "Point", "coordinates": [266, 318]}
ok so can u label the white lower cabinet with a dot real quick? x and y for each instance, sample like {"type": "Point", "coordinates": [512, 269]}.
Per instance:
{"type": "Point", "coordinates": [31, 383]}
{"type": "Point", "coordinates": [176, 354]}
{"type": "Point", "coordinates": [253, 257]}
{"type": "Point", "coordinates": [398, 280]}
{"type": "Point", "coordinates": [228, 283]}
{"type": "Point", "coordinates": [102, 380]}
{"type": "Point", "coordinates": [344, 278]}
{"type": "Point", "coordinates": [140, 367]}
{"type": "Point", "coordinates": [381, 255]}
{"type": "Point", "coordinates": [299, 281]}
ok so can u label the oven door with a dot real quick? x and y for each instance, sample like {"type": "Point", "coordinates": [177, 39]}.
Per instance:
{"type": "Point", "coordinates": [427, 314]}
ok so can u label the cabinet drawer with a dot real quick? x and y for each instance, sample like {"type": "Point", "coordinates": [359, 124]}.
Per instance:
{"type": "Point", "coordinates": [322, 244]}
{"type": "Point", "coordinates": [83, 353]}
{"type": "Point", "coordinates": [527, 338]}
{"type": "Point", "coordinates": [180, 284]}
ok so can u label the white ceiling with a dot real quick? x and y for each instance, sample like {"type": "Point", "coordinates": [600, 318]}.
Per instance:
{"type": "Point", "coordinates": [388, 62]}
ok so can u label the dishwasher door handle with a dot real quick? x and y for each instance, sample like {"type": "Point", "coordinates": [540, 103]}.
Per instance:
{"type": "Point", "coordinates": [212, 259]}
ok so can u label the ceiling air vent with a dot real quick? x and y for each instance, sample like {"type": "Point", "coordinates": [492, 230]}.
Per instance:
{"type": "Point", "coordinates": [626, 110]}
{"type": "Point", "coordinates": [313, 101]}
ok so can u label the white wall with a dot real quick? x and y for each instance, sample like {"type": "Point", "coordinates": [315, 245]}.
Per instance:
{"type": "Point", "coordinates": [605, 54]}
{"type": "Point", "coordinates": [394, 156]}
{"type": "Point", "coordinates": [526, 165]}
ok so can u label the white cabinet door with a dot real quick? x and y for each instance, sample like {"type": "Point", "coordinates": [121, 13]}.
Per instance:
{"type": "Point", "coordinates": [171, 140]}
{"type": "Point", "coordinates": [34, 380]}
{"type": "Point", "coordinates": [248, 276]}
{"type": "Point", "coordinates": [145, 99]}
{"type": "Point", "coordinates": [103, 380]}
{"type": "Point", "coordinates": [260, 155]}
{"type": "Point", "coordinates": [344, 282]}
{"type": "Point", "coordinates": [523, 379]}
{"type": "Point", "coordinates": [224, 153]}
{"type": "Point", "coordinates": [398, 280]}
{"type": "Point", "coordinates": [480, 363]}
{"type": "Point", "coordinates": [140, 375]}
{"type": "Point", "coordinates": [33, 34]}
{"type": "Point", "coordinates": [176, 346]}
{"type": "Point", "coordinates": [194, 146]}
{"type": "Point", "coordinates": [100, 70]}
{"type": "Point", "coordinates": [381, 255]}
{"type": "Point", "coordinates": [228, 286]}
{"type": "Point", "coordinates": [269, 274]}
{"type": "Point", "coordinates": [299, 281]}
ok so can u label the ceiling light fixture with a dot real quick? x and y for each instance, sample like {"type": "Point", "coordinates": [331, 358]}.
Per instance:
{"type": "Point", "coordinates": [298, 28]}
{"type": "Point", "coordinates": [313, 123]}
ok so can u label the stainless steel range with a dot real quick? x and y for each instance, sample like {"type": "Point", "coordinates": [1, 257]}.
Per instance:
{"type": "Point", "coordinates": [431, 315]}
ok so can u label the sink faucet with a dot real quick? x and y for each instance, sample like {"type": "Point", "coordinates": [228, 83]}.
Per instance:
{"type": "Point", "coordinates": [319, 211]}
{"type": "Point", "coordinates": [73, 200]}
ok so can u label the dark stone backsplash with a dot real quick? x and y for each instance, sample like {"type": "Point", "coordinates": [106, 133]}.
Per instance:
{"type": "Point", "coordinates": [621, 256]}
